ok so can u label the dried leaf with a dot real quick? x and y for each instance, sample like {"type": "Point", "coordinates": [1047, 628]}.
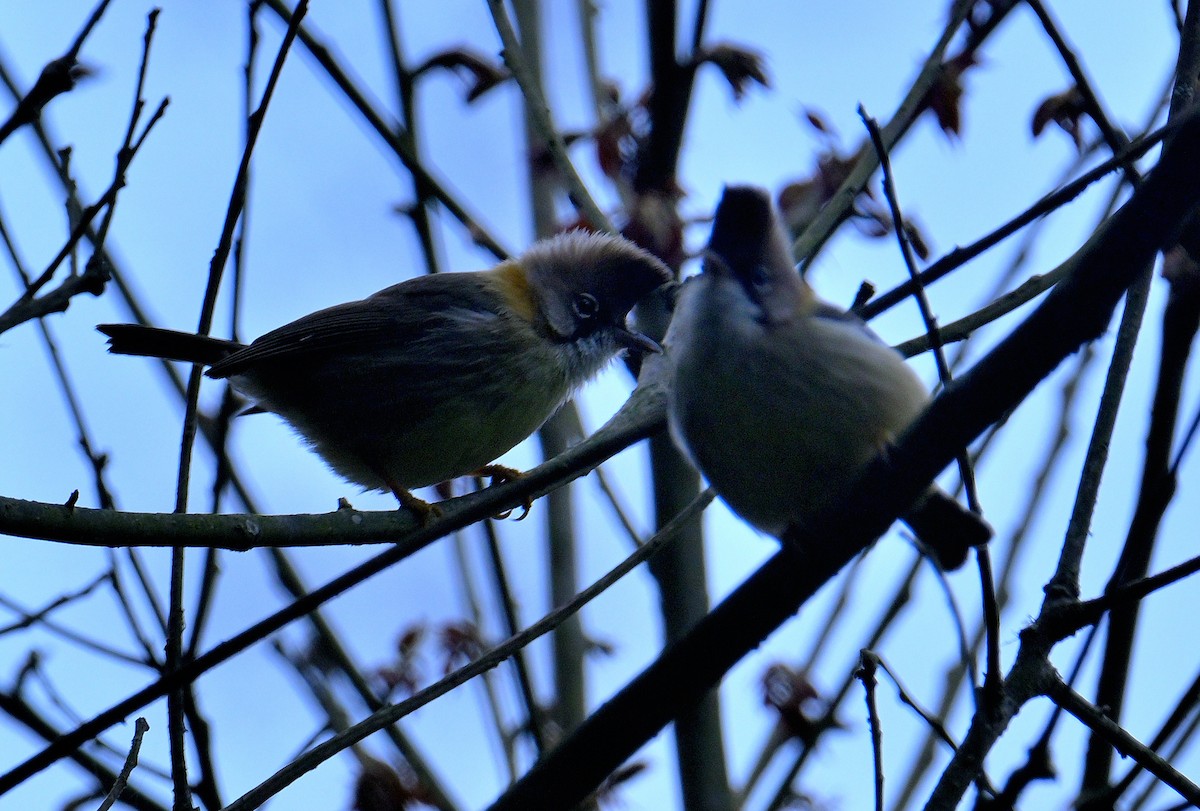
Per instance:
{"type": "Point", "coordinates": [403, 674]}
{"type": "Point", "coordinates": [1181, 271]}
{"type": "Point", "coordinates": [615, 145]}
{"type": "Point", "coordinates": [916, 238]}
{"type": "Point", "coordinates": [739, 65]}
{"type": "Point", "coordinates": [872, 221]}
{"type": "Point", "coordinates": [944, 98]}
{"type": "Point", "coordinates": [791, 694]}
{"type": "Point", "coordinates": [461, 643]}
{"type": "Point", "coordinates": [620, 139]}
{"type": "Point", "coordinates": [832, 171]}
{"type": "Point", "coordinates": [601, 647]}
{"type": "Point", "coordinates": [799, 203]}
{"type": "Point", "coordinates": [783, 686]}
{"type": "Point", "coordinates": [482, 74]}
{"type": "Point", "coordinates": [410, 638]}
{"type": "Point", "coordinates": [1066, 109]}
{"type": "Point", "coordinates": [379, 787]}
{"type": "Point", "coordinates": [817, 121]}
{"type": "Point", "coordinates": [400, 679]}
{"type": "Point", "coordinates": [654, 224]}
{"type": "Point", "coordinates": [801, 200]}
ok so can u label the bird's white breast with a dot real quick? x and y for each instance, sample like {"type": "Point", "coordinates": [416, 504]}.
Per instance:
{"type": "Point", "coordinates": [780, 416]}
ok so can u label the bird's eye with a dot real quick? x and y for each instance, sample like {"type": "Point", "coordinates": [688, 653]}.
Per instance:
{"type": "Point", "coordinates": [586, 307]}
{"type": "Point", "coordinates": [760, 278]}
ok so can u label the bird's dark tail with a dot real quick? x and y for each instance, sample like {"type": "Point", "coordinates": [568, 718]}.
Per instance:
{"type": "Point", "coordinates": [947, 528]}
{"type": "Point", "coordinates": [135, 339]}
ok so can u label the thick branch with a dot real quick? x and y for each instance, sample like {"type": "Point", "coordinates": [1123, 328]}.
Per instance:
{"type": "Point", "coordinates": [640, 417]}
{"type": "Point", "coordinates": [1077, 311]}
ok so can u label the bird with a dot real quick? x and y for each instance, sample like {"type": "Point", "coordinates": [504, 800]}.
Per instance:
{"type": "Point", "coordinates": [781, 399]}
{"type": "Point", "coordinates": [437, 376]}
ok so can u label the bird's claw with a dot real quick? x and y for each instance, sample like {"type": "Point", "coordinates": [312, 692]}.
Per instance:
{"type": "Point", "coordinates": [499, 474]}
{"type": "Point", "coordinates": [423, 510]}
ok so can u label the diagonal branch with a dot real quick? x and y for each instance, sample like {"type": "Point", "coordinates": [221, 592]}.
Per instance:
{"type": "Point", "coordinates": [387, 132]}
{"type": "Point", "coordinates": [58, 77]}
{"type": "Point", "coordinates": [1076, 312]}
{"type": "Point", "coordinates": [393, 713]}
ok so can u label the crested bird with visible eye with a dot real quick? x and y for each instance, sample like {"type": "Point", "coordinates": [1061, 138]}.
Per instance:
{"type": "Point", "coordinates": [782, 399]}
{"type": "Point", "coordinates": [435, 377]}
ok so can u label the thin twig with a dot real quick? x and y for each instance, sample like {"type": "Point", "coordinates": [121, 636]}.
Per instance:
{"type": "Point", "coordinates": [1171, 755]}
{"type": "Point", "coordinates": [470, 593]}
{"type": "Point", "coordinates": [96, 460]}
{"type": "Point", "coordinates": [966, 655]}
{"type": "Point", "coordinates": [1068, 619]}
{"type": "Point", "coordinates": [837, 610]}
{"type": "Point", "coordinates": [619, 510]}
{"type": "Point", "coordinates": [966, 326]}
{"type": "Point", "coordinates": [1015, 545]}
{"type": "Point", "coordinates": [1121, 740]}
{"type": "Point", "coordinates": [840, 204]}
{"type": "Point", "coordinates": [389, 715]}
{"type": "Point", "coordinates": [406, 98]}
{"type": "Point", "coordinates": [936, 727]}
{"type": "Point", "coordinates": [868, 663]}
{"type": "Point", "coordinates": [387, 132]}
{"type": "Point", "coordinates": [828, 720]}
{"type": "Point", "coordinates": [330, 643]}
{"type": "Point", "coordinates": [59, 76]}
{"type": "Point", "coordinates": [176, 698]}
{"type": "Point", "coordinates": [512, 623]}
{"type": "Point", "coordinates": [1046, 204]}
{"type": "Point", "coordinates": [1180, 321]}
{"type": "Point", "coordinates": [42, 620]}
{"type": "Point", "coordinates": [140, 728]}
{"type": "Point", "coordinates": [991, 611]}
{"type": "Point", "coordinates": [57, 163]}
{"type": "Point", "coordinates": [828, 625]}
{"type": "Point", "coordinates": [585, 11]}
{"type": "Point", "coordinates": [641, 416]}
{"type": "Point", "coordinates": [123, 154]}
{"type": "Point", "coordinates": [1115, 139]}
{"type": "Point", "coordinates": [29, 305]}
{"type": "Point", "coordinates": [1183, 708]}
{"type": "Point", "coordinates": [539, 113]}
{"type": "Point", "coordinates": [15, 708]}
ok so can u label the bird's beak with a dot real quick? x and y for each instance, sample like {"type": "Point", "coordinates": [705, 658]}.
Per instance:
{"type": "Point", "coordinates": [635, 341]}
{"type": "Point", "coordinates": [715, 264]}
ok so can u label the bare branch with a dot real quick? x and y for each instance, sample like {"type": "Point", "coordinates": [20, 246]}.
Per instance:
{"type": "Point", "coordinates": [1121, 740]}
{"type": "Point", "coordinates": [393, 713]}
{"type": "Point", "coordinates": [140, 728]}
{"type": "Point", "coordinates": [1077, 311]}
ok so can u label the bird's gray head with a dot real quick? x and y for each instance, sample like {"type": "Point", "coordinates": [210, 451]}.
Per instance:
{"type": "Point", "coordinates": [586, 282]}
{"type": "Point", "coordinates": [750, 245]}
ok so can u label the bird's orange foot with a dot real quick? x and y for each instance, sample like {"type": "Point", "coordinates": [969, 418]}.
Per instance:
{"type": "Point", "coordinates": [423, 510]}
{"type": "Point", "coordinates": [499, 474]}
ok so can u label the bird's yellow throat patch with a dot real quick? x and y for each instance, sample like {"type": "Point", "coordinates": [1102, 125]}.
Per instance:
{"type": "Point", "coordinates": [515, 287]}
